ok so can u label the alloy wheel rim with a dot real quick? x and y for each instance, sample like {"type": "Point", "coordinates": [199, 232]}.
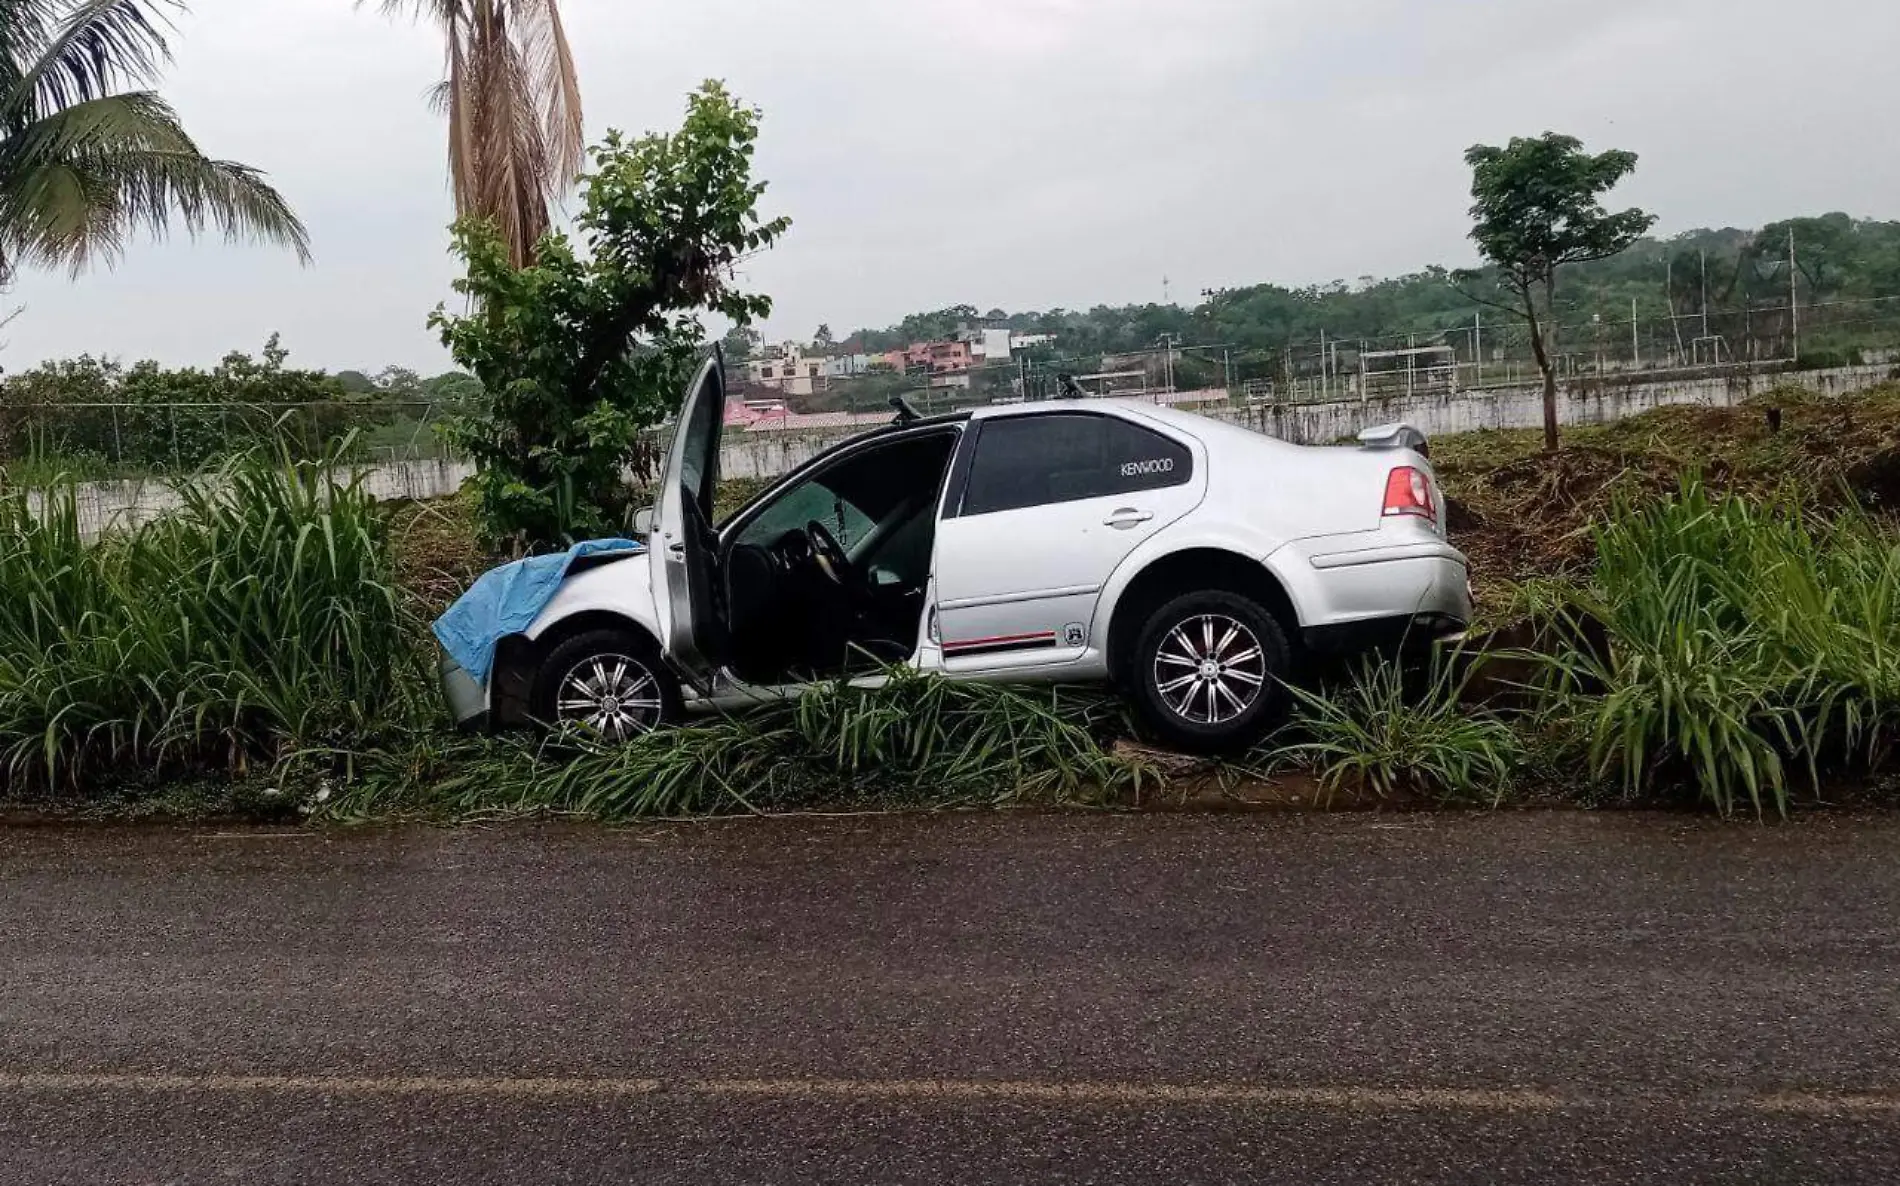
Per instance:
{"type": "Point", "coordinates": [614, 695]}
{"type": "Point", "coordinates": [1210, 669]}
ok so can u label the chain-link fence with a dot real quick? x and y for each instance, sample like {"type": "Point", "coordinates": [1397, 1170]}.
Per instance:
{"type": "Point", "coordinates": [100, 440]}
{"type": "Point", "coordinates": [1493, 349]}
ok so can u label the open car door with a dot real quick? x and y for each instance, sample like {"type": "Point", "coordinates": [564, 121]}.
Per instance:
{"type": "Point", "coordinates": [684, 546]}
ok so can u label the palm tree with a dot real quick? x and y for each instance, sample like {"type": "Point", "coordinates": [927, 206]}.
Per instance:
{"type": "Point", "coordinates": [513, 102]}
{"type": "Point", "coordinates": [84, 166]}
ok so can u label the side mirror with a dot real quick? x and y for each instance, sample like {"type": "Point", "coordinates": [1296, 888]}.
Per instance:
{"type": "Point", "coordinates": [643, 520]}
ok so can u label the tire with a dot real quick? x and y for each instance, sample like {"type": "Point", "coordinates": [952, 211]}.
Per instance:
{"type": "Point", "coordinates": [1210, 648]}
{"type": "Point", "coordinates": [631, 690]}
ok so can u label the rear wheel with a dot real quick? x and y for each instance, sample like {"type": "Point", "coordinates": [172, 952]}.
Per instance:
{"type": "Point", "coordinates": [609, 681]}
{"type": "Point", "coordinates": [1207, 670]}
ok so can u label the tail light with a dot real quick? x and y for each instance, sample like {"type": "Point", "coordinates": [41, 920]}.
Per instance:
{"type": "Point", "coordinates": [1408, 491]}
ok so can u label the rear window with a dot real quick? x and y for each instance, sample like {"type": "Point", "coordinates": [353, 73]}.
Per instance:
{"type": "Point", "coordinates": [1024, 461]}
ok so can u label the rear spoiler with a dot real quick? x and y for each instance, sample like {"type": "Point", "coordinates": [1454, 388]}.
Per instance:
{"type": "Point", "coordinates": [1395, 436]}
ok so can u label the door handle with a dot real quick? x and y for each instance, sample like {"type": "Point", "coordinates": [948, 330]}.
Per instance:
{"type": "Point", "coordinates": [1126, 518]}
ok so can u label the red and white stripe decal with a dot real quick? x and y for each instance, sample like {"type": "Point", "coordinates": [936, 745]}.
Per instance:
{"type": "Point", "coordinates": [1001, 642]}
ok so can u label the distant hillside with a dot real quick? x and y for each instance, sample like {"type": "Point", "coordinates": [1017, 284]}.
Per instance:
{"type": "Point", "coordinates": [1838, 258]}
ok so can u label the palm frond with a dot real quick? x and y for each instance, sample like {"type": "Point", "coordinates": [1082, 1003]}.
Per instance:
{"type": "Point", "coordinates": [75, 184]}
{"type": "Point", "coordinates": [551, 70]}
{"type": "Point", "coordinates": [100, 45]}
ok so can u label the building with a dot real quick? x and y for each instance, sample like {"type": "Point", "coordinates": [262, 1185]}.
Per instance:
{"type": "Point", "coordinates": [789, 369]}
{"type": "Point", "coordinates": [844, 366]}
{"type": "Point", "coordinates": [1030, 341]}
{"type": "Point", "coordinates": [987, 345]}
{"type": "Point", "coordinates": [941, 358]}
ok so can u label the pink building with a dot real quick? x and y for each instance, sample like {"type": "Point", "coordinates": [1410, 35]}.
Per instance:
{"type": "Point", "coordinates": [941, 357]}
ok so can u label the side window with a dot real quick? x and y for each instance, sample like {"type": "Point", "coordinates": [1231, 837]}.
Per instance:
{"type": "Point", "coordinates": [699, 466]}
{"type": "Point", "coordinates": [1063, 457]}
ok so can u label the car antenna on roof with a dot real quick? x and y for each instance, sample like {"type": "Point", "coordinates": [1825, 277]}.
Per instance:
{"type": "Point", "coordinates": [907, 413]}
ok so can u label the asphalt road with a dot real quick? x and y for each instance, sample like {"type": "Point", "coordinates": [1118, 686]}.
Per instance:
{"type": "Point", "coordinates": [996, 999]}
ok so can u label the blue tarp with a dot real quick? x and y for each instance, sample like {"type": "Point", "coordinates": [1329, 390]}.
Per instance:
{"type": "Point", "coordinates": [507, 600]}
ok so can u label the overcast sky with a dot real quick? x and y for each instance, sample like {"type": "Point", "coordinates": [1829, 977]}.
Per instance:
{"type": "Point", "coordinates": [1021, 153]}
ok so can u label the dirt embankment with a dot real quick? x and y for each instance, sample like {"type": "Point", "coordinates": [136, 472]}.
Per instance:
{"type": "Point", "coordinates": [1521, 513]}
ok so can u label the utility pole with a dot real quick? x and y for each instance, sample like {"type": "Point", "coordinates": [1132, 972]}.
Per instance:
{"type": "Point", "coordinates": [1794, 297]}
{"type": "Point", "coordinates": [1636, 345]}
{"type": "Point", "coordinates": [1477, 349]}
{"type": "Point", "coordinates": [1168, 342]}
{"type": "Point", "coordinates": [1325, 371]}
{"type": "Point", "coordinates": [1669, 293]}
{"type": "Point", "coordinates": [1705, 291]}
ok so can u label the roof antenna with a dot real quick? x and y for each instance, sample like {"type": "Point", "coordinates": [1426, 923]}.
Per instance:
{"type": "Point", "coordinates": [907, 413]}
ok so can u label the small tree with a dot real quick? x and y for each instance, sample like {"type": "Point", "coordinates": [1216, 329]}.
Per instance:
{"type": "Point", "coordinates": [579, 354]}
{"type": "Point", "coordinates": [740, 344]}
{"type": "Point", "coordinates": [823, 340]}
{"type": "Point", "coordinates": [1537, 205]}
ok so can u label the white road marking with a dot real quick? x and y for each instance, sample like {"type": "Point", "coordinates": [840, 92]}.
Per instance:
{"type": "Point", "coordinates": [1325, 1098]}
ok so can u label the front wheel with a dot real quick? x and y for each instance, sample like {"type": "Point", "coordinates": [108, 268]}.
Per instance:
{"type": "Point", "coordinates": [608, 681]}
{"type": "Point", "coordinates": [1207, 672]}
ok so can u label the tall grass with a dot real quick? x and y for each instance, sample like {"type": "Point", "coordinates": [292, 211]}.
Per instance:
{"type": "Point", "coordinates": [1750, 644]}
{"type": "Point", "coordinates": [258, 619]}
{"type": "Point", "coordinates": [1391, 732]}
{"type": "Point", "coordinates": [916, 739]}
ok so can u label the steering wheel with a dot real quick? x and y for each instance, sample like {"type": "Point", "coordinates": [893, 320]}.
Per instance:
{"type": "Point", "coordinates": [829, 555]}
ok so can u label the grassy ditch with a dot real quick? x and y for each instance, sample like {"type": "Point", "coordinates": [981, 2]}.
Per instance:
{"type": "Point", "coordinates": [1719, 625]}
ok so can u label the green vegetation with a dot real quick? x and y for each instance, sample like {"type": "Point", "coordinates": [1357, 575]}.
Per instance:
{"type": "Point", "coordinates": [915, 740]}
{"type": "Point", "coordinates": [1391, 734]}
{"type": "Point", "coordinates": [91, 418]}
{"type": "Point", "coordinates": [259, 621]}
{"type": "Point", "coordinates": [83, 165]}
{"type": "Point", "coordinates": [1749, 642]}
{"type": "Point", "coordinates": [581, 354]}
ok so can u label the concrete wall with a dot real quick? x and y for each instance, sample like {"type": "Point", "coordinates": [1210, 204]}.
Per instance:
{"type": "Point", "coordinates": [106, 505]}
{"type": "Point", "coordinates": [768, 454]}
{"type": "Point", "coordinates": [1586, 402]}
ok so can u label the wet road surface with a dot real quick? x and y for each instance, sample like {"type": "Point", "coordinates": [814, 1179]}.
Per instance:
{"type": "Point", "coordinates": [986, 999]}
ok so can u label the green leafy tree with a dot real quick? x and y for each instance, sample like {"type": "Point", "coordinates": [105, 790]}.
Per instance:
{"type": "Point", "coordinates": [399, 382]}
{"type": "Point", "coordinates": [1538, 205]}
{"type": "Point", "coordinates": [585, 350]}
{"type": "Point", "coordinates": [83, 164]}
{"type": "Point", "coordinates": [1826, 249]}
{"type": "Point", "coordinates": [740, 343]}
{"type": "Point", "coordinates": [822, 340]}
